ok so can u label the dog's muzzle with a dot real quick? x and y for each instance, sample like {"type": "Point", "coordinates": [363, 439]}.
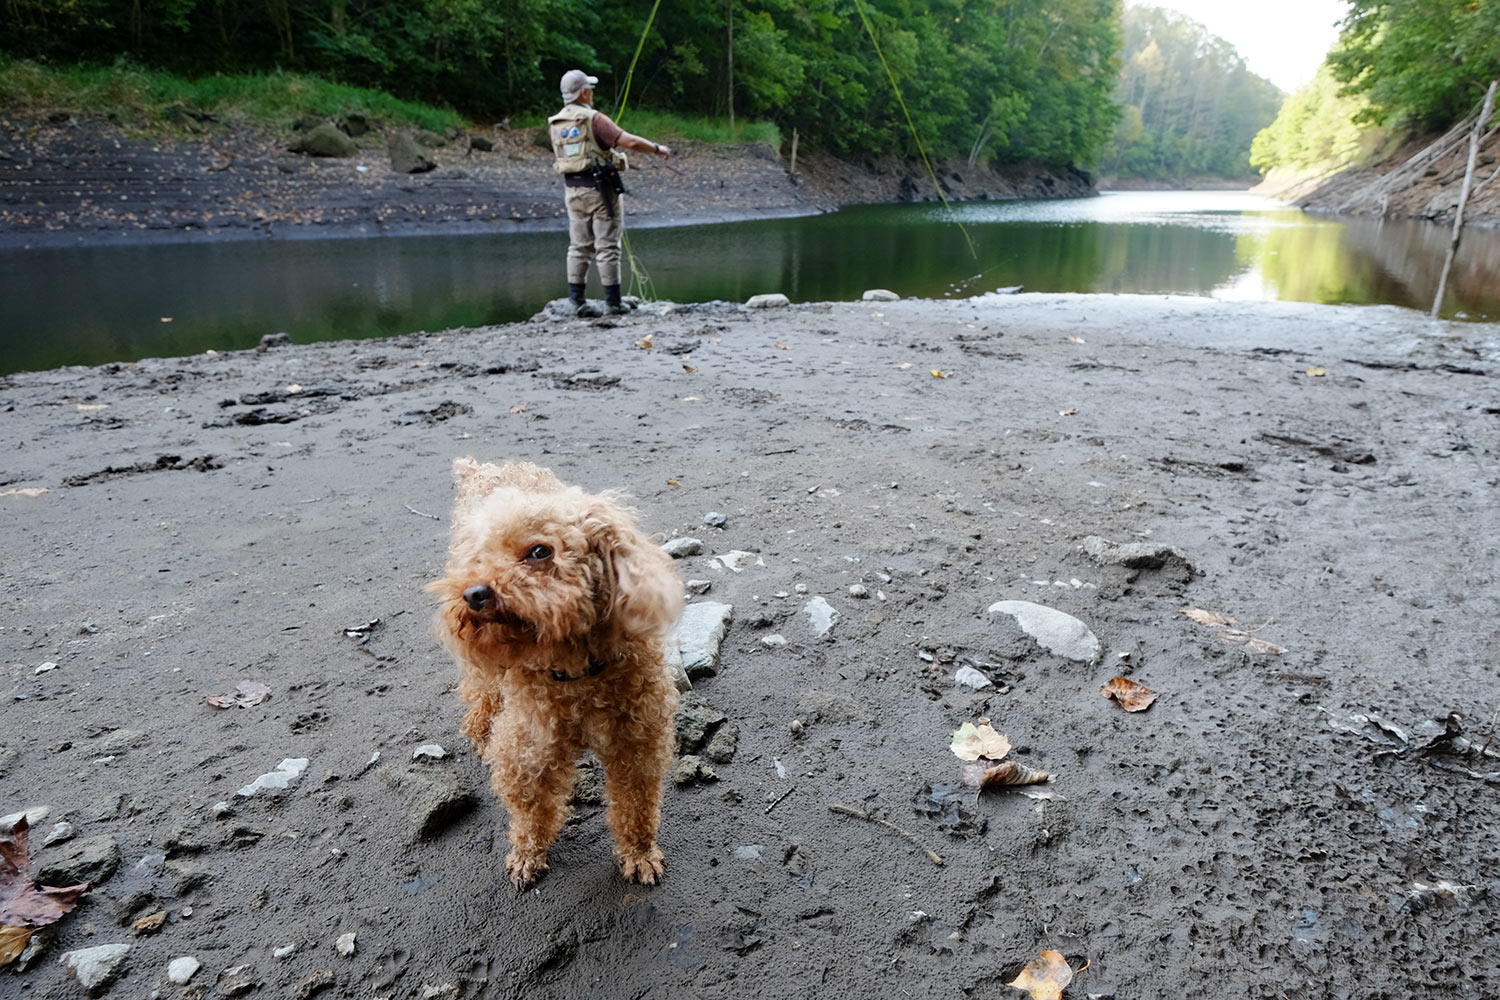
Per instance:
{"type": "Point", "coordinates": [480, 597]}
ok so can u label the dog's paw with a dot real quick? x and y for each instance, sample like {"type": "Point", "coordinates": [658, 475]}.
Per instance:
{"type": "Point", "coordinates": [645, 867]}
{"type": "Point", "coordinates": [524, 871]}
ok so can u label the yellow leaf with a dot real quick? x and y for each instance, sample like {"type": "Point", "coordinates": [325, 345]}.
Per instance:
{"type": "Point", "coordinates": [938, 374]}
{"type": "Point", "coordinates": [971, 742]}
{"type": "Point", "coordinates": [13, 942]}
{"type": "Point", "coordinates": [1045, 978]}
{"type": "Point", "coordinates": [1315, 371]}
{"type": "Point", "coordinates": [294, 388]}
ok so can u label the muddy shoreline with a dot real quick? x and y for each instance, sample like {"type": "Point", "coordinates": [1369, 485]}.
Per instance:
{"type": "Point", "coordinates": [1277, 823]}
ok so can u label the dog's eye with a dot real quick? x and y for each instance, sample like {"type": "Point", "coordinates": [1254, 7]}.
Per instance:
{"type": "Point", "coordinates": [539, 553]}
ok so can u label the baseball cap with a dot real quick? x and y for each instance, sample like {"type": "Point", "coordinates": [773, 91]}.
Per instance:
{"type": "Point", "coordinates": [575, 82]}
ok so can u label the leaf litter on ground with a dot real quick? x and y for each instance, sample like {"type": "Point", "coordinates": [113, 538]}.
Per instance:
{"type": "Point", "coordinates": [247, 694]}
{"type": "Point", "coordinates": [24, 906]}
{"type": "Point", "coordinates": [1223, 627]}
{"type": "Point", "coordinates": [1045, 977]}
{"type": "Point", "coordinates": [981, 747]}
{"type": "Point", "coordinates": [1129, 695]}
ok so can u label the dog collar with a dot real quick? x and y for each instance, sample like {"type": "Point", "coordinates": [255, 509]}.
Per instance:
{"type": "Point", "coordinates": [594, 669]}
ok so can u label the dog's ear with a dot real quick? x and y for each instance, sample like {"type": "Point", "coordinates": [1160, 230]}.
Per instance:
{"type": "Point", "coordinates": [638, 590]}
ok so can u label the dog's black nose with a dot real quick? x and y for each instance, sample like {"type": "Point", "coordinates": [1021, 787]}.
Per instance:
{"type": "Point", "coordinates": [478, 596]}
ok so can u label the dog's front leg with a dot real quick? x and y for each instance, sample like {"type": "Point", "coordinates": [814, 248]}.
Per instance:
{"type": "Point", "coordinates": [635, 767]}
{"type": "Point", "coordinates": [532, 772]}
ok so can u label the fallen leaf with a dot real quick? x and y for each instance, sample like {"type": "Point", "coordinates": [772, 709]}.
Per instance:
{"type": "Point", "coordinates": [22, 904]}
{"type": "Point", "coordinates": [644, 343]}
{"type": "Point", "coordinates": [1239, 636]}
{"type": "Point", "coordinates": [1045, 978]}
{"type": "Point", "coordinates": [985, 775]}
{"type": "Point", "coordinates": [782, 347]}
{"type": "Point", "coordinates": [149, 924]}
{"type": "Point", "coordinates": [1315, 371]}
{"type": "Point", "coordinates": [247, 694]}
{"type": "Point", "coordinates": [1077, 340]}
{"type": "Point", "coordinates": [1251, 643]}
{"type": "Point", "coordinates": [971, 742]}
{"type": "Point", "coordinates": [689, 369]}
{"type": "Point", "coordinates": [12, 942]}
{"type": "Point", "coordinates": [89, 407]}
{"type": "Point", "coordinates": [673, 482]}
{"type": "Point", "coordinates": [519, 408]}
{"type": "Point", "coordinates": [26, 491]}
{"type": "Point", "coordinates": [1131, 696]}
{"type": "Point", "coordinates": [1209, 618]}
{"type": "Point", "coordinates": [1067, 413]}
{"type": "Point", "coordinates": [939, 374]}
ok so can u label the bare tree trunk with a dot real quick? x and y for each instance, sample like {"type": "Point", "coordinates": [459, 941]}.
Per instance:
{"type": "Point", "coordinates": [792, 170]}
{"type": "Point", "coordinates": [730, 5]}
{"type": "Point", "coordinates": [1463, 195]}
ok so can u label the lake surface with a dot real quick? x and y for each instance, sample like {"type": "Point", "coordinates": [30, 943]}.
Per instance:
{"type": "Point", "coordinates": [122, 303]}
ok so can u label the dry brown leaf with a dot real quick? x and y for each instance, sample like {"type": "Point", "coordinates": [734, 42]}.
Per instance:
{"type": "Point", "coordinates": [985, 775]}
{"type": "Point", "coordinates": [22, 904]}
{"type": "Point", "coordinates": [12, 942]}
{"type": "Point", "coordinates": [247, 694]}
{"type": "Point", "coordinates": [26, 491]}
{"type": "Point", "coordinates": [689, 369]}
{"type": "Point", "coordinates": [1131, 696]}
{"type": "Point", "coordinates": [1045, 978]}
{"type": "Point", "coordinates": [149, 924]}
{"type": "Point", "coordinates": [644, 343]}
{"type": "Point", "coordinates": [782, 347]}
{"type": "Point", "coordinates": [1251, 643]}
{"type": "Point", "coordinates": [971, 742]}
{"type": "Point", "coordinates": [1209, 618]}
{"type": "Point", "coordinates": [519, 408]}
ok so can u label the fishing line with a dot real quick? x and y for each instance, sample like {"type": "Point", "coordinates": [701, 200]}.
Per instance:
{"type": "Point", "coordinates": [640, 281]}
{"type": "Point", "coordinates": [909, 124]}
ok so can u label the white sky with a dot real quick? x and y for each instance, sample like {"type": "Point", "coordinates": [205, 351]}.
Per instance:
{"type": "Point", "coordinates": [1281, 40]}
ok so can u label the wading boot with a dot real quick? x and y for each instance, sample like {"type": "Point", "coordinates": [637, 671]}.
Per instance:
{"type": "Point", "coordinates": [580, 304]}
{"type": "Point", "coordinates": [612, 303]}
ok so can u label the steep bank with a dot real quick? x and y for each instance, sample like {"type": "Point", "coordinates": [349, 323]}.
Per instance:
{"type": "Point", "coordinates": [78, 182]}
{"type": "Point", "coordinates": [1425, 189]}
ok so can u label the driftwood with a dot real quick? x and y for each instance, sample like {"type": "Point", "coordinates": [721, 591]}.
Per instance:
{"type": "Point", "coordinates": [1463, 195]}
{"type": "Point", "coordinates": [1378, 192]}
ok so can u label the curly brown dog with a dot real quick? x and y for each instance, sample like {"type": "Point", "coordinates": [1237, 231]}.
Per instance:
{"type": "Point", "coordinates": [556, 607]}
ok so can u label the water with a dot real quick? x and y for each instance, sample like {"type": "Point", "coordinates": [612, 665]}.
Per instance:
{"type": "Point", "coordinates": [122, 303]}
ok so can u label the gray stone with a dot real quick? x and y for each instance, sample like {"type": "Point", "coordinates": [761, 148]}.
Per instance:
{"type": "Point", "coordinates": [880, 295]}
{"type": "Point", "coordinates": [98, 966]}
{"type": "Point", "coordinates": [479, 142]}
{"type": "Point", "coordinates": [180, 970]}
{"type": "Point", "coordinates": [679, 548]}
{"type": "Point", "coordinates": [325, 140]}
{"type": "Point", "coordinates": [738, 561]}
{"type": "Point", "coordinates": [699, 587]}
{"type": "Point", "coordinates": [33, 816]}
{"type": "Point", "coordinates": [971, 678]}
{"type": "Point", "coordinates": [700, 633]}
{"type": "Point", "coordinates": [773, 300]}
{"type": "Point", "coordinates": [714, 519]}
{"type": "Point", "coordinates": [428, 138]}
{"type": "Point", "coordinates": [1134, 555]}
{"type": "Point", "coordinates": [357, 125]}
{"type": "Point", "coordinates": [406, 156]}
{"type": "Point", "coordinates": [691, 769]}
{"type": "Point", "coordinates": [59, 833]}
{"type": "Point", "coordinates": [93, 861]}
{"type": "Point", "coordinates": [1058, 633]}
{"type": "Point", "coordinates": [695, 724]}
{"type": "Point", "coordinates": [821, 616]}
{"type": "Point", "coordinates": [722, 746]}
{"type": "Point", "coordinates": [345, 944]}
{"type": "Point", "coordinates": [435, 795]}
{"type": "Point", "coordinates": [118, 742]}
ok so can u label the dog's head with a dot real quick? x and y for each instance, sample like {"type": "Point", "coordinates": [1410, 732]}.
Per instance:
{"type": "Point", "coordinates": [533, 561]}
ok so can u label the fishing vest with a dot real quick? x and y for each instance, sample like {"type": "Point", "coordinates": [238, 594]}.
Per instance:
{"type": "Point", "coordinates": [573, 142]}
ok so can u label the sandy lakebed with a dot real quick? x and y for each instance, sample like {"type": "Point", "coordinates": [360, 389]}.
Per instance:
{"type": "Point", "coordinates": [1309, 809]}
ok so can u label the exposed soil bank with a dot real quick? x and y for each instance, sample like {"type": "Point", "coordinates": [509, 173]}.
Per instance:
{"type": "Point", "coordinates": [1326, 477]}
{"type": "Point", "coordinates": [77, 183]}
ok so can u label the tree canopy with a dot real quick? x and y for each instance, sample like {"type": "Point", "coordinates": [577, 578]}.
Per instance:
{"type": "Point", "coordinates": [1190, 106]}
{"type": "Point", "coordinates": [993, 80]}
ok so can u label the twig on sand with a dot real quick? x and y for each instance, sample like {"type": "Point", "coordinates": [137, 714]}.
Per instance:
{"type": "Point", "coordinates": [907, 835]}
{"type": "Point", "coordinates": [777, 802]}
{"type": "Point", "coordinates": [421, 513]}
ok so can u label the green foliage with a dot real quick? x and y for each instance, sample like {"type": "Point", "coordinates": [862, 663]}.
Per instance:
{"type": "Point", "coordinates": [994, 80]}
{"type": "Point", "coordinates": [139, 98]}
{"type": "Point", "coordinates": [1191, 108]}
{"type": "Point", "coordinates": [1418, 64]}
{"type": "Point", "coordinates": [1317, 130]}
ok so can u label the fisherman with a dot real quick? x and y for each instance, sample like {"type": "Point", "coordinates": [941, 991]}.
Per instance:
{"type": "Point", "coordinates": [587, 143]}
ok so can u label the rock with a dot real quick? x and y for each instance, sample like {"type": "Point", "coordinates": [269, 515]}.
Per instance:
{"type": "Point", "coordinates": [149, 924]}
{"type": "Point", "coordinates": [320, 980]}
{"type": "Point", "coordinates": [277, 781]}
{"type": "Point", "coordinates": [428, 139]}
{"type": "Point", "coordinates": [119, 741]}
{"type": "Point", "coordinates": [821, 616]}
{"type": "Point", "coordinates": [180, 970]}
{"type": "Point", "coordinates": [357, 125]}
{"type": "Point", "coordinates": [435, 797]}
{"type": "Point", "coordinates": [971, 678]}
{"type": "Point", "coordinates": [59, 833]}
{"type": "Point", "coordinates": [98, 966]}
{"type": "Point", "coordinates": [691, 769]}
{"type": "Point", "coordinates": [721, 748]}
{"type": "Point", "coordinates": [325, 140]}
{"type": "Point", "coordinates": [700, 632]}
{"type": "Point", "coordinates": [699, 587]}
{"type": "Point", "coordinates": [880, 295]}
{"type": "Point", "coordinates": [1058, 633]}
{"type": "Point", "coordinates": [773, 640]}
{"type": "Point", "coordinates": [271, 340]}
{"type": "Point", "coordinates": [774, 300]}
{"type": "Point", "coordinates": [345, 944]}
{"type": "Point", "coordinates": [284, 951]}
{"type": "Point", "coordinates": [679, 548]}
{"type": "Point", "coordinates": [93, 861]}
{"type": "Point", "coordinates": [480, 143]}
{"type": "Point", "coordinates": [406, 156]}
{"type": "Point", "coordinates": [33, 815]}
{"type": "Point", "coordinates": [238, 980]}
{"type": "Point", "coordinates": [738, 561]}
{"type": "Point", "coordinates": [430, 751]}
{"type": "Point", "coordinates": [695, 724]}
{"type": "Point", "coordinates": [859, 592]}
{"type": "Point", "coordinates": [714, 519]}
{"type": "Point", "coordinates": [1134, 555]}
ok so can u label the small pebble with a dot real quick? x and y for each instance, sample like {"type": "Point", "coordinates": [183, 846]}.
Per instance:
{"type": "Point", "coordinates": [284, 951]}
{"type": "Point", "coordinates": [345, 944]}
{"type": "Point", "coordinates": [431, 750]}
{"type": "Point", "coordinates": [774, 640]}
{"type": "Point", "coordinates": [180, 970]}
{"type": "Point", "coordinates": [859, 591]}
{"type": "Point", "coordinates": [714, 519]}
